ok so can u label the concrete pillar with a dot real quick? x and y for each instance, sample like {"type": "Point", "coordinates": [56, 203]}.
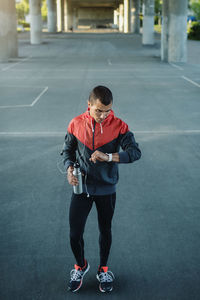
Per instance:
{"type": "Point", "coordinates": [177, 43]}
{"type": "Point", "coordinates": [121, 18]}
{"type": "Point", "coordinates": [36, 21]}
{"type": "Point", "coordinates": [135, 16]}
{"type": "Point", "coordinates": [164, 32]}
{"type": "Point", "coordinates": [68, 15]}
{"type": "Point", "coordinates": [126, 16]}
{"type": "Point", "coordinates": [62, 14]}
{"type": "Point", "coordinates": [148, 23]}
{"type": "Point", "coordinates": [59, 16]}
{"type": "Point", "coordinates": [115, 17]}
{"type": "Point", "coordinates": [52, 16]}
{"type": "Point", "coordinates": [8, 30]}
{"type": "Point", "coordinates": [65, 16]}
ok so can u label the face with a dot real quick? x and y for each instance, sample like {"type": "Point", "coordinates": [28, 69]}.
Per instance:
{"type": "Point", "coordinates": [99, 111]}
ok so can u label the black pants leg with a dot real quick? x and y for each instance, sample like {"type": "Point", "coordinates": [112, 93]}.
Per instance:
{"type": "Point", "coordinates": [105, 209]}
{"type": "Point", "coordinates": [78, 213]}
{"type": "Point", "coordinates": [79, 210]}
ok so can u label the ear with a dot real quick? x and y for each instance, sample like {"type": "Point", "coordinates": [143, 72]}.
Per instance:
{"type": "Point", "coordinates": [88, 102]}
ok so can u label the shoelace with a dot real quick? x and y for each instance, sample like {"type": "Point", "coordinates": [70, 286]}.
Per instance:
{"type": "Point", "coordinates": [75, 275]}
{"type": "Point", "coordinates": [106, 276]}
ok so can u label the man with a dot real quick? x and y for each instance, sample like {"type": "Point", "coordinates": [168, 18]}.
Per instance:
{"type": "Point", "coordinates": [94, 140]}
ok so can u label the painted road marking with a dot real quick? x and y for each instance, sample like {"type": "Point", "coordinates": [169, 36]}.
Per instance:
{"type": "Point", "coordinates": [177, 67]}
{"type": "Point", "coordinates": [26, 105]}
{"type": "Point", "coordinates": [191, 81]}
{"type": "Point", "coordinates": [12, 65]}
{"type": "Point", "coordinates": [62, 133]}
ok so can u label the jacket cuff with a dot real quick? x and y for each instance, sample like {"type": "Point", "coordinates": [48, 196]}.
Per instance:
{"type": "Point", "coordinates": [68, 163]}
{"type": "Point", "coordinates": [124, 157]}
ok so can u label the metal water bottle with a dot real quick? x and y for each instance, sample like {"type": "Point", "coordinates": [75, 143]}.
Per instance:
{"type": "Point", "coordinates": [78, 189]}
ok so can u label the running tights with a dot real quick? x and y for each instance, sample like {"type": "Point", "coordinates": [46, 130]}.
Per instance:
{"type": "Point", "coordinates": [79, 211]}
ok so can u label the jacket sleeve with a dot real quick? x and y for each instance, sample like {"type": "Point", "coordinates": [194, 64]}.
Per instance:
{"type": "Point", "coordinates": [131, 151]}
{"type": "Point", "coordinates": [69, 150]}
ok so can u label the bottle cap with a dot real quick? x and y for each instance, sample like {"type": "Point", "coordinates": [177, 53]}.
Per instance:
{"type": "Point", "coordinates": [76, 165]}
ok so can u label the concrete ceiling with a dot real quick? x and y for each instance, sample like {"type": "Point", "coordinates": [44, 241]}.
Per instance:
{"type": "Point", "coordinates": [96, 3]}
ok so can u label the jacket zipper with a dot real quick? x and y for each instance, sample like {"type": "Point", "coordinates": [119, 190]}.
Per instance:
{"type": "Point", "coordinates": [93, 135]}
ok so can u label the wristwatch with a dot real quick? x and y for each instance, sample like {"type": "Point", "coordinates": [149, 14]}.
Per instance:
{"type": "Point", "coordinates": [109, 156]}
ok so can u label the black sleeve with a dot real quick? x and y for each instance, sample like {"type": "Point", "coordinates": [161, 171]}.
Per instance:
{"type": "Point", "coordinates": [131, 151]}
{"type": "Point", "coordinates": [69, 150]}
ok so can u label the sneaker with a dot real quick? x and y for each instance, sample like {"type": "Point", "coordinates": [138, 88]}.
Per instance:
{"type": "Point", "coordinates": [105, 278]}
{"type": "Point", "coordinates": [77, 275]}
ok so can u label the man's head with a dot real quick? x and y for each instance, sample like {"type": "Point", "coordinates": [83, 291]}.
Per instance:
{"type": "Point", "coordinates": [100, 103]}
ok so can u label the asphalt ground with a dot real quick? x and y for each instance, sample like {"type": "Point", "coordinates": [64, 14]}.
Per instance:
{"type": "Point", "coordinates": [156, 232]}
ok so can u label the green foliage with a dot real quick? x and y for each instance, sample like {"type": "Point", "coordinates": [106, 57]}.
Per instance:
{"type": "Point", "coordinates": [44, 10]}
{"type": "Point", "coordinates": [158, 7]}
{"type": "Point", "coordinates": [22, 9]}
{"type": "Point", "coordinates": [194, 31]}
{"type": "Point", "coordinates": [24, 24]}
{"type": "Point", "coordinates": [195, 6]}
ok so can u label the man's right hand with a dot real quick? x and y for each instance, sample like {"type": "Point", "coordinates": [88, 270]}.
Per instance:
{"type": "Point", "coordinates": [70, 177]}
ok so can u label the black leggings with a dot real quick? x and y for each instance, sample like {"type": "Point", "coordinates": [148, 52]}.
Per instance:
{"type": "Point", "coordinates": [79, 211]}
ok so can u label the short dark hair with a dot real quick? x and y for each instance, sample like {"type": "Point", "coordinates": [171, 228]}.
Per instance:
{"type": "Point", "coordinates": [102, 93]}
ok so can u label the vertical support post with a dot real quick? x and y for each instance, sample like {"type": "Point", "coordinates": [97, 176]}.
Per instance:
{"type": "Point", "coordinates": [59, 16]}
{"type": "Point", "coordinates": [148, 23]}
{"type": "Point", "coordinates": [115, 17]}
{"type": "Point", "coordinates": [165, 29]}
{"type": "Point", "coordinates": [36, 22]}
{"type": "Point", "coordinates": [135, 16]}
{"type": "Point", "coordinates": [52, 16]}
{"type": "Point", "coordinates": [121, 17]}
{"type": "Point", "coordinates": [177, 43]}
{"type": "Point", "coordinates": [126, 16]}
{"type": "Point", "coordinates": [8, 30]}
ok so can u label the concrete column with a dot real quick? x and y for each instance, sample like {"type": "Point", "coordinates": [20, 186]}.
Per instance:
{"type": "Point", "coordinates": [65, 16]}
{"type": "Point", "coordinates": [8, 30]}
{"type": "Point", "coordinates": [121, 18]}
{"type": "Point", "coordinates": [68, 15]}
{"type": "Point", "coordinates": [164, 32]}
{"type": "Point", "coordinates": [52, 16]}
{"type": "Point", "coordinates": [135, 16]}
{"type": "Point", "coordinates": [36, 21]}
{"type": "Point", "coordinates": [115, 17]}
{"type": "Point", "coordinates": [60, 15]}
{"type": "Point", "coordinates": [148, 23]}
{"type": "Point", "coordinates": [126, 16]}
{"type": "Point", "coordinates": [177, 43]}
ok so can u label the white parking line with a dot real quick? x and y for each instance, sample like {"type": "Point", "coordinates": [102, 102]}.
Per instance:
{"type": "Point", "coordinates": [191, 81]}
{"type": "Point", "coordinates": [62, 133]}
{"type": "Point", "coordinates": [14, 106]}
{"type": "Point", "coordinates": [12, 65]}
{"type": "Point", "coordinates": [172, 132]}
{"type": "Point", "coordinates": [39, 96]}
{"type": "Point", "coordinates": [177, 67]}
{"type": "Point", "coordinates": [27, 105]}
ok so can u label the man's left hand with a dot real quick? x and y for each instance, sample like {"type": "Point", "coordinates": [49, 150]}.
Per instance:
{"type": "Point", "coordinates": [98, 155]}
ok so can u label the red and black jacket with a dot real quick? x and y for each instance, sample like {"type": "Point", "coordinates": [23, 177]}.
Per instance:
{"type": "Point", "coordinates": [84, 136]}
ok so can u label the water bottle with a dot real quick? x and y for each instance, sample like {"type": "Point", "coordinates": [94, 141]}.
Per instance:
{"type": "Point", "coordinates": [78, 189]}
